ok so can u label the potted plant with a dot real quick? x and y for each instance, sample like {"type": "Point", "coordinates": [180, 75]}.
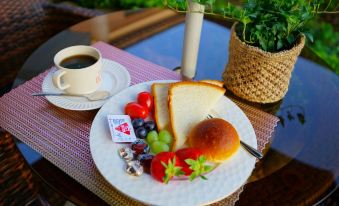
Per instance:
{"type": "Point", "coordinates": [266, 39]}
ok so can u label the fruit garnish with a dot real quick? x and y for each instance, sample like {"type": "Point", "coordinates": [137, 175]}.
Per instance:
{"type": "Point", "coordinates": [165, 166]}
{"type": "Point", "coordinates": [165, 136]}
{"type": "Point", "coordinates": [138, 122]}
{"type": "Point", "coordinates": [135, 110]}
{"type": "Point", "coordinates": [141, 132]}
{"type": "Point", "coordinates": [145, 99]}
{"type": "Point", "coordinates": [158, 146]}
{"type": "Point", "coordinates": [140, 147]}
{"type": "Point", "coordinates": [152, 136]}
{"type": "Point", "coordinates": [193, 163]}
{"type": "Point", "coordinates": [145, 161]}
{"type": "Point", "coordinates": [198, 167]}
{"type": "Point", "coordinates": [149, 125]}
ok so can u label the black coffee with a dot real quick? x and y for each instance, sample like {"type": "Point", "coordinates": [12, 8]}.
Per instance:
{"type": "Point", "coordinates": [78, 61]}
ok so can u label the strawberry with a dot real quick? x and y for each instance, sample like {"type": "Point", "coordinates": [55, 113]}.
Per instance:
{"type": "Point", "coordinates": [193, 163]}
{"type": "Point", "coordinates": [164, 166]}
{"type": "Point", "coordinates": [187, 153]}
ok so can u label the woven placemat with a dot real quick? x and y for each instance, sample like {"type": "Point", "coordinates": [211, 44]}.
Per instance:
{"type": "Point", "coordinates": [62, 136]}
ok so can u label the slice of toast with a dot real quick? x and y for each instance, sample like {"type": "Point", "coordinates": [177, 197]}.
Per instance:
{"type": "Point", "coordinates": [215, 82]}
{"type": "Point", "coordinates": [161, 115]}
{"type": "Point", "coordinates": [189, 103]}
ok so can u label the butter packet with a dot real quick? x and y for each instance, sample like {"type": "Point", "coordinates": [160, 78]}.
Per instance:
{"type": "Point", "coordinates": [121, 128]}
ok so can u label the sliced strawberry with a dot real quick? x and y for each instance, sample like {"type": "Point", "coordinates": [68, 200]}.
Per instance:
{"type": "Point", "coordinates": [193, 163]}
{"type": "Point", "coordinates": [164, 166]}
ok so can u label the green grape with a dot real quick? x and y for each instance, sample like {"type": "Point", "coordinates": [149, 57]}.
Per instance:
{"type": "Point", "coordinates": [158, 147]}
{"type": "Point", "coordinates": [152, 136]}
{"type": "Point", "coordinates": [165, 136]}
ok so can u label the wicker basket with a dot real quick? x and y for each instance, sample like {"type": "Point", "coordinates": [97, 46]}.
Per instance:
{"type": "Point", "coordinates": [256, 75]}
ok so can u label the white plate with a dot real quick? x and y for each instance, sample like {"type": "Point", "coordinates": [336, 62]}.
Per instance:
{"type": "Point", "coordinates": [222, 182]}
{"type": "Point", "coordinates": [115, 78]}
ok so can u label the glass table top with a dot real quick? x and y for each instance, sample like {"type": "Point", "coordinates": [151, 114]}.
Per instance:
{"type": "Point", "coordinates": [301, 164]}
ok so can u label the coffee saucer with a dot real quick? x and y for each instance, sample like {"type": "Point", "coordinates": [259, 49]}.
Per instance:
{"type": "Point", "coordinates": [114, 76]}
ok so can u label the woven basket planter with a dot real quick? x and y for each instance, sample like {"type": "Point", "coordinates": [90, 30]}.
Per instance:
{"type": "Point", "coordinates": [256, 75]}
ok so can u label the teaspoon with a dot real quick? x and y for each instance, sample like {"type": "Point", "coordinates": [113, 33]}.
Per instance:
{"type": "Point", "coordinates": [95, 96]}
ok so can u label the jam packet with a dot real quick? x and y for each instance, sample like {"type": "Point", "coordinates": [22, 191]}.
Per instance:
{"type": "Point", "coordinates": [121, 128]}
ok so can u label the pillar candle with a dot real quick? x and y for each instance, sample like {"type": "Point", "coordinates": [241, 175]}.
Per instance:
{"type": "Point", "coordinates": [193, 25]}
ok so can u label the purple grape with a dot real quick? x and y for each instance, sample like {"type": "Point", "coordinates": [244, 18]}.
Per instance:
{"type": "Point", "coordinates": [140, 147]}
{"type": "Point", "coordinates": [145, 161]}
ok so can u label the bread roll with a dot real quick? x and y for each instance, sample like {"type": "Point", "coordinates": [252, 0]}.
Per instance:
{"type": "Point", "coordinates": [216, 138]}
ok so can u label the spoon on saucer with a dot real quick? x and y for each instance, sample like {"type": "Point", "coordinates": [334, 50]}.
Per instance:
{"type": "Point", "coordinates": [95, 96]}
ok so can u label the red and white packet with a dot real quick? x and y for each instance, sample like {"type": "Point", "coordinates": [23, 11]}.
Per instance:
{"type": "Point", "coordinates": [121, 128]}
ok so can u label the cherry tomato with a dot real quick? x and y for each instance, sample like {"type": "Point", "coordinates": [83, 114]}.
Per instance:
{"type": "Point", "coordinates": [145, 99]}
{"type": "Point", "coordinates": [135, 110]}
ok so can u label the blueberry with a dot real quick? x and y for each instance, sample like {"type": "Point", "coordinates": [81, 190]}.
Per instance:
{"type": "Point", "coordinates": [138, 122]}
{"type": "Point", "coordinates": [149, 125]}
{"type": "Point", "coordinates": [141, 132]}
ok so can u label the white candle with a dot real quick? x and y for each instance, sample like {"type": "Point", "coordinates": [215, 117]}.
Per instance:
{"type": "Point", "coordinates": [193, 25]}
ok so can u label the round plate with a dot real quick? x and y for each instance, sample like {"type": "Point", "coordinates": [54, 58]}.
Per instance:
{"type": "Point", "coordinates": [115, 78]}
{"type": "Point", "coordinates": [222, 181]}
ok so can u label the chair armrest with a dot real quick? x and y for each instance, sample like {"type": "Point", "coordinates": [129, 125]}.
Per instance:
{"type": "Point", "coordinates": [68, 9]}
{"type": "Point", "coordinates": [61, 16]}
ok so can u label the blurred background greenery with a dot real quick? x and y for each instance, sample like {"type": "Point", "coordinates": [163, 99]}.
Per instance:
{"type": "Point", "coordinates": [325, 28]}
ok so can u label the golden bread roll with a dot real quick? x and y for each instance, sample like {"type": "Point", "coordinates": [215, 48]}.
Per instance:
{"type": "Point", "coordinates": [216, 138]}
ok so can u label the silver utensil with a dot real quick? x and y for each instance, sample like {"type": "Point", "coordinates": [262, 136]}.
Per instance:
{"type": "Point", "coordinates": [95, 96]}
{"type": "Point", "coordinates": [256, 153]}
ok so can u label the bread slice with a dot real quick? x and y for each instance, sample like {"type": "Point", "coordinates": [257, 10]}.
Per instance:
{"type": "Point", "coordinates": [215, 82]}
{"type": "Point", "coordinates": [189, 103]}
{"type": "Point", "coordinates": [161, 115]}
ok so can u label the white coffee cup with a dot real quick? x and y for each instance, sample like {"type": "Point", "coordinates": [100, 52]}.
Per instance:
{"type": "Point", "coordinates": [81, 80]}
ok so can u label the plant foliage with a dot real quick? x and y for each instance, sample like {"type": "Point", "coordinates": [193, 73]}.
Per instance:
{"type": "Point", "coordinates": [272, 25]}
{"type": "Point", "coordinates": [326, 46]}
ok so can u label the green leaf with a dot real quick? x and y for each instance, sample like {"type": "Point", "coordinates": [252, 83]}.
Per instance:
{"type": "Point", "coordinates": [163, 164]}
{"type": "Point", "coordinates": [203, 177]}
{"type": "Point", "coordinates": [171, 170]}
{"type": "Point", "coordinates": [270, 44]}
{"type": "Point", "coordinates": [263, 43]}
{"type": "Point", "coordinates": [208, 168]}
{"type": "Point", "coordinates": [193, 176]}
{"type": "Point", "coordinates": [190, 161]}
{"type": "Point", "coordinates": [202, 159]}
{"type": "Point", "coordinates": [291, 39]}
{"type": "Point", "coordinates": [308, 35]}
{"type": "Point", "coordinates": [279, 44]}
{"type": "Point", "coordinates": [199, 167]}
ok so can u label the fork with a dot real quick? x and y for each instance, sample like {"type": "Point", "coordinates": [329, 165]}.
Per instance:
{"type": "Point", "coordinates": [256, 153]}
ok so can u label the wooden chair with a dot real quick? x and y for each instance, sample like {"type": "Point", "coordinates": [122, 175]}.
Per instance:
{"type": "Point", "coordinates": [16, 180]}
{"type": "Point", "coordinates": [26, 24]}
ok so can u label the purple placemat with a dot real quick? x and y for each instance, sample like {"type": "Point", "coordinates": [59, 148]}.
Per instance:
{"type": "Point", "coordinates": [62, 136]}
